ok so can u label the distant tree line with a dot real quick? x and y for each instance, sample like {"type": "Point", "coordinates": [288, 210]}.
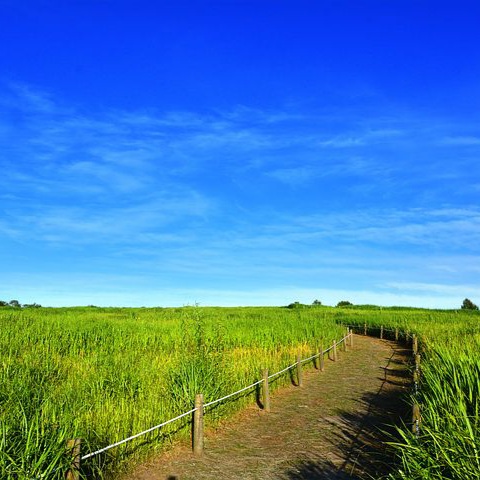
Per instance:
{"type": "Point", "coordinates": [318, 303]}
{"type": "Point", "coordinates": [17, 304]}
{"type": "Point", "coordinates": [468, 305]}
{"type": "Point", "coordinates": [344, 303]}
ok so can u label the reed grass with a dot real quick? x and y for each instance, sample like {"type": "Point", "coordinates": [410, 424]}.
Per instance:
{"type": "Point", "coordinates": [105, 374]}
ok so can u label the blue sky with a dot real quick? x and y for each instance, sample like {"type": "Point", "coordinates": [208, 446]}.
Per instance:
{"type": "Point", "coordinates": [239, 152]}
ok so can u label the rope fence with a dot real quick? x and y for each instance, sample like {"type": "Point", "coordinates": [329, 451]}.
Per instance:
{"type": "Point", "coordinates": [133, 437]}
{"type": "Point", "coordinates": [74, 445]}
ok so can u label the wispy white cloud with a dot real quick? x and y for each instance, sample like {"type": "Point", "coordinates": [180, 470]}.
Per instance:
{"type": "Point", "coordinates": [296, 175]}
{"type": "Point", "coordinates": [202, 197]}
{"type": "Point", "coordinates": [457, 291]}
{"type": "Point", "coordinates": [445, 228]}
{"type": "Point", "coordinates": [333, 168]}
{"type": "Point", "coordinates": [134, 222]}
{"type": "Point", "coordinates": [286, 146]}
{"type": "Point", "coordinates": [461, 141]}
{"type": "Point", "coordinates": [30, 99]}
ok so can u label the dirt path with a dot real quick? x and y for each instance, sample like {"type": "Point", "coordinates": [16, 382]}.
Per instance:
{"type": "Point", "coordinates": [327, 429]}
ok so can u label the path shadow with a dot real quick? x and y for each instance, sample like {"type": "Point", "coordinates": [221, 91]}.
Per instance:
{"type": "Point", "coordinates": [360, 436]}
{"type": "Point", "coordinates": [313, 470]}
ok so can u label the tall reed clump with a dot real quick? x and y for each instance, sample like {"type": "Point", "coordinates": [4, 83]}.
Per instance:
{"type": "Point", "coordinates": [199, 366]}
{"type": "Point", "coordinates": [30, 444]}
{"type": "Point", "coordinates": [32, 448]}
{"type": "Point", "coordinates": [448, 443]}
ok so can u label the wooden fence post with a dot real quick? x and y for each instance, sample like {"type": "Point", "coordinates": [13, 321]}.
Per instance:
{"type": "Point", "coordinates": [266, 391]}
{"type": "Point", "coordinates": [320, 357]}
{"type": "Point", "coordinates": [74, 449]}
{"type": "Point", "coordinates": [299, 371]}
{"type": "Point", "coordinates": [417, 361]}
{"type": "Point", "coordinates": [415, 344]}
{"type": "Point", "coordinates": [381, 332]}
{"type": "Point", "coordinates": [396, 334]}
{"type": "Point", "coordinates": [334, 345]}
{"type": "Point", "coordinates": [351, 338]}
{"type": "Point", "coordinates": [416, 418]}
{"type": "Point", "coordinates": [198, 425]}
{"type": "Point", "coordinates": [365, 328]}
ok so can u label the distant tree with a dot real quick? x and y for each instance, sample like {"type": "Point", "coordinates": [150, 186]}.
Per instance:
{"type": "Point", "coordinates": [3, 304]}
{"type": "Point", "coordinates": [32, 305]}
{"type": "Point", "coordinates": [15, 304]}
{"type": "Point", "coordinates": [344, 303]}
{"type": "Point", "coordinates": [296, 305]}
{"type": "Point", "coordinates": [468, 305]}
{"type": "Point", "coordinates": [316, 302]}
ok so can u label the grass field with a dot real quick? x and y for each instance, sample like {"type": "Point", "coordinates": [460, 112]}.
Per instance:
{"type": "Point", "coordinates": [105, 374]}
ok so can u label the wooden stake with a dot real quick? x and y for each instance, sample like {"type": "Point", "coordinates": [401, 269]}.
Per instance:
{"type": "Point", "coordinates": [320, 357]}
{"type": "Point", "coordinates": [351, 338]}
{"type": "Point", "coordinates": [416, 418]}
{"type": "Point", "coordinates": [266, 391]}
{"type": "Point", "coordinates": [365, 329]}
{"type": "Point", "coordinates": [334, 345]}
{"type": "Point", "coordinates": [198, 425]}
{"type": "Point", "coordinates": [299, 371]}
{"type": "Point", "coordinates": [396, 334]}
{"type": "Point", "coordinates": [417, 361]}
{"type": "Point", "coordinates": [381, 332]}
{"type": "Point", "coordinates": [74, 449]}
{"type": "Point", "coordinates": [415, 344]}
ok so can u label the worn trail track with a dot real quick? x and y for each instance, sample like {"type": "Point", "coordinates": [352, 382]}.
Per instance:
{"type": "Point", "coordinates": [330, 428]}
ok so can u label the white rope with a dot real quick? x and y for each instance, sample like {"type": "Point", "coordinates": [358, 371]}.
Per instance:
{"type": "Point", "coordinates": [310, 358]}
{"type": "Point", "coordinates": [136, 436]}
{"type": "Point", "coordinates": [232, 394]}
{"type": "Point", "coordinates": [282, 371]}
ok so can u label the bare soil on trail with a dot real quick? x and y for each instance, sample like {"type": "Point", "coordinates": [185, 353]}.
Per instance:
{"type": "Point", "coordinates": [333, 427]}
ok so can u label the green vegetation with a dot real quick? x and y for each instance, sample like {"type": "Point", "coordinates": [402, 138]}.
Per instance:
{"type": "Point", "coordinates": [17, 304]}
{"type": "Point", "coordinates": [469, 305]}
{"type": "Point", "coordinates": [344, 303]}
{"type": "Point", "coordinates": [103, 374]}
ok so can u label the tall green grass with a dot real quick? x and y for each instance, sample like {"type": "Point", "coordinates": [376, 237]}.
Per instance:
{"type": "Point", "coordinates": [449, 440]}
{"type": "Point", "coordinates": [105, 374]}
